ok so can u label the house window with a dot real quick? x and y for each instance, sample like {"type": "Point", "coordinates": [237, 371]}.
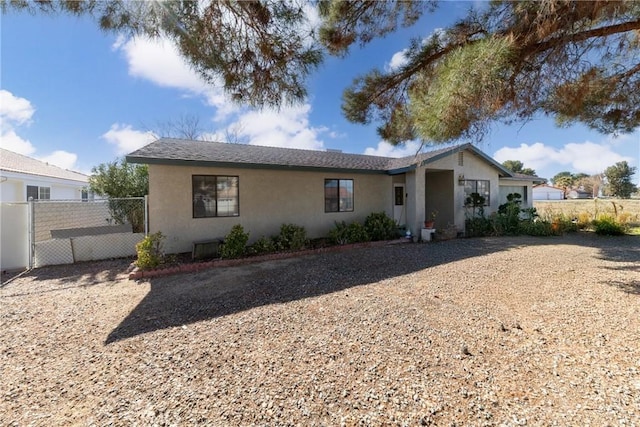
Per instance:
{"type": "Point", "coordinates": [85, 196]}
{"type": "Point", "coordinates": [38, 193]}
{"type": "Point", "coordinates": [215, 196]}
{"type": "Point", "coordinates": [479, 186]}
{"type": "Point", "coordinates": [338, 195]}
{"type": "Point", "coordinates": [505, 190]}
{"type": "Point", "coordinates": [460, 158]}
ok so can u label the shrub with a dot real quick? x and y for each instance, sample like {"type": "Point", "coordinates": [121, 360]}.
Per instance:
{"type": "Point", "coordinates": [292, 237]}
{"type": "Point", "coordinates": [262, 246]}
{"type": "Point", "coordinates": [342, 233]}
{"type": "Point", "coordinates": [235, 243]}
{"type": "Point", "coordinates": [478, 227]}
{"type": "Point", "coordinates": [507, 221]}
{"type": "Point", "coordinates": [537, 228]}
{"type": "Point", "coordinates": [380, 227]}
{"type": "Point", "coordinates": [356, 233]}
{"type": "Point", "coordinates": [338, 234]}
{"type": "Point", "coordinates": [149, 251]}
{"type": "Point", "coordinates": [607, 226]}
{"type": "Point", "coordinates": [583, 220]}
{"type": "Point", "coordinates": [529, 214]}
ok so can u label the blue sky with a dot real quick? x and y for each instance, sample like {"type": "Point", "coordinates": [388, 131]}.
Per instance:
{"type": "Point", "coordinates": [76, 97]}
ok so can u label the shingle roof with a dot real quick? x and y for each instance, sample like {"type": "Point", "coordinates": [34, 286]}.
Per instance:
{"type": "Point", "coordinates": [182, 151]}
{"type": "Point", "coordinates": [14, 162]}
{"type": "Point", "coordinates": [524, 177]}
{"type": "Point", "coordinates": [201, 153]}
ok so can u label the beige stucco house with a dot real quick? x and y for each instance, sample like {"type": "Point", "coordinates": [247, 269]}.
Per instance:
{"type": "Point", "coordinates": [199, 190]}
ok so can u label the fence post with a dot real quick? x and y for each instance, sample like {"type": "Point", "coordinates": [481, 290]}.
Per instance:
{"type": "Point", "coordinates": [31, 231]}
{"type": "Point", "coordinates": [146, 215]}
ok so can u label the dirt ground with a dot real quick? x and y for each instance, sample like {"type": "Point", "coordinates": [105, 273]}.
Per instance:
{"type": "Point", "coordinates": [492, 331]}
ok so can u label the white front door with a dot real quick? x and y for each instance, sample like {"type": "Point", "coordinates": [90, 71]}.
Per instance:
{"type": "Point", "coordinates": [399, 204]}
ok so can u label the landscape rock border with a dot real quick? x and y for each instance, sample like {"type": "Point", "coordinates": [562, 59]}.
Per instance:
{"type": "Point", "coordinates": [136, 273]}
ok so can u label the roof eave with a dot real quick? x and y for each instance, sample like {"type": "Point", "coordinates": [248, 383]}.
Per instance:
{"type": "Point", "coordinates": [237, 165]}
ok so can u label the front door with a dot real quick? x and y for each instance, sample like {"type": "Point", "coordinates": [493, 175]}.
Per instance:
{"type": "Point", "coordinates": [399, 204]}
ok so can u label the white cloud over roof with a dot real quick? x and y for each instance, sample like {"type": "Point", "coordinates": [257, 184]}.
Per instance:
{"type": "Point", "coordinates": [126, 139]}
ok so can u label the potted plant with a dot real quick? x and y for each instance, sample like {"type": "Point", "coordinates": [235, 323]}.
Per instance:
{"type": "Point", "coordinates": [429, 222]}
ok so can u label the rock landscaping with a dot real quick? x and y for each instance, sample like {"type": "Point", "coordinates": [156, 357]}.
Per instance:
{"type": "Point", "coordinates": [471, 332]}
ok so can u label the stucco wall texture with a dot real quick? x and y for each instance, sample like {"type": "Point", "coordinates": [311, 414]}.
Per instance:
{"type": "Point", "coordinates": [268, 198]}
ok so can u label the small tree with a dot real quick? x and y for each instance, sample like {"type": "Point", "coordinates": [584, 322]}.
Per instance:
{"type": "Point", "coordinates": [619, 179]}
{"type": "Point", "coordinates": [117, 180]}
{"type": "Point", "coordinates": [516, 166]}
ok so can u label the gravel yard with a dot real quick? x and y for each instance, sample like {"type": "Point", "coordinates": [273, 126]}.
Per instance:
{"type": "Point", "coordinates": [496, 331]}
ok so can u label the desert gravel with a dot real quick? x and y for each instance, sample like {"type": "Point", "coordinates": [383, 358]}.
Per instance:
{"type": "Point", "coordinates": [468, 332]}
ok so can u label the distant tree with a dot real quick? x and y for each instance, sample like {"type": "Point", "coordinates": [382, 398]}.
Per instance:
{"type": "Point", "coordinates": [574, 60]}
{"type": "Point", "coordinates": [517, 166]}
{"type": "Point", "coordinates": [586, 183]}
{"type": "Point", "coordinates": [619, 180]}
{"type": "Point", "coordinates": [596, 182]}
{"type": "Point", "coordinates": [563, 180]}
{"type": "Point", "coordinates": [118, 181]}
{"type": "Point", "coordinates": [188, 126]}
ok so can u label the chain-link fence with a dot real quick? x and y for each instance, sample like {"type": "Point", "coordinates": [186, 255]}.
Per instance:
{"type": "Point", "coordinates": [64, 232]}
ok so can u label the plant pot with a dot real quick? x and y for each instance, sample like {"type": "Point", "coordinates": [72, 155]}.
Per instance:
{"type": "Point", "coordinates": [428, 224]}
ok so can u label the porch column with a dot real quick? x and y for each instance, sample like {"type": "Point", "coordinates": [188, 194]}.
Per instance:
{"type": "Point", "coordinates": [415, 182]}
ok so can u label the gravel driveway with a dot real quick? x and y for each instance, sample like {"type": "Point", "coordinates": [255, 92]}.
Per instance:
{"type": "Point", "coordinates": [504, 331]}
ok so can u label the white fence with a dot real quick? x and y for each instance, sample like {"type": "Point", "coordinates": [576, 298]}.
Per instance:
{"type": "Point", "coordinates": [39, 233]}
{"type": "Point", "coordinates": [14, 235]}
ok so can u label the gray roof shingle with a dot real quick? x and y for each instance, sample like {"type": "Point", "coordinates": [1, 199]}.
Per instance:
{"type": "Point", "coordinates": [14, 162]}
{"type": "Point", "coordinates": [203, 153]}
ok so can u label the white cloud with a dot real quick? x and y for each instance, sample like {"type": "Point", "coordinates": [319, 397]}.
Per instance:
{"type": "Point", "coordinates": [13, 109]}
{"type": "Point", "coordinates": [385, 149]}
{"type": "Point", "coordinates": [15, 112]}
{"type": "Point", "coordinates": [12, 142]}
{"type": "Point", "coordinates": [288, 127]}
{"type": "Point", "coordinates": [61, 158]}
{"type": "Point", "coordinates": [158, 61]}
{"type": "Point", "coordinates": [584, 157]}
{"type": "Point", "coordinates": [127, 139]}
{"type": "Point", "coordinates": [399, 59]}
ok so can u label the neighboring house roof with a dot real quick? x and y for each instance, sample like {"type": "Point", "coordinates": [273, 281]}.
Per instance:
{"type": "Point", "coordinates": [202, 153]}
{"type": "Point", "coordinates": [541, 186]}
{"type": "Point", "coordinates": [523, 177]}
{"type": "Point", "coordinates": [18, 163]}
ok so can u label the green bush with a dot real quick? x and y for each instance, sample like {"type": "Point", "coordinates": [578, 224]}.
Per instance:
{"type": "Point", "coordinates": [380, 227]}
{"type": "Point", "coordinates": [356, 233]}
{"type": "Point", "coordinates": [568, 225]}
{"type": "Point", "coordinates": [235, 243]}
{"type": "Point", "coordinates": [338, 234]}
{"type": "Point", "coordinates": [149, 251]}
{"type": "Point", "coordinates": [608, 226]}
{"type": "Point", "coordinates": [507, 221]}
{"type": "Point", "coordinates": [478, 227]}
{"type": "Point", "coordinates": [342, 233]}
{"type": "Point", "coordinates": [262, 246]}
{"type": "Point", "coordinates": [292, 237]}
{"type": "Point", "coordinates": [536, 228]}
